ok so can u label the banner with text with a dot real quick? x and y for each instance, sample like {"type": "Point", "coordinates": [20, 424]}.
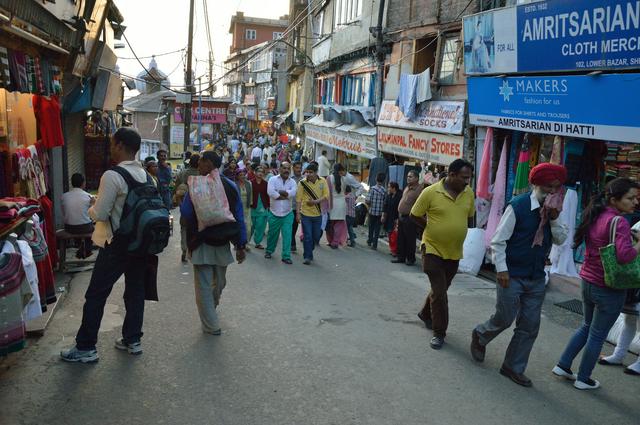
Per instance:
{"type": "Point", "coordinates": [347, 141]}
{"type": "Point", "coordinates": [440, 116]}
{"type": "Point", "coordinates": [602, 107]}
{"type": "Point", "coordinates": [557, 35]}
{"type": "Point", "coordinates": [208, 113]}
{"type": "Point", "coordinates": [437, 148]}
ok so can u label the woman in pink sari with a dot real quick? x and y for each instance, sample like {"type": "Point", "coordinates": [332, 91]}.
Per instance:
{"type": "Point", "coordinates": [337, 226]}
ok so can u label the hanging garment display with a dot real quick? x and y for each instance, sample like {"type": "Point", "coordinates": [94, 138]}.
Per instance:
{"type": "Point", "coordinates": [484, 173]}
{"type": "Point", "coordinates": [562, 261]}
{"type": "Point", "coordinates": [47, 112]}
{"type": "Point", "coordinates": [407, 96]}
{"type": "Point", "coordinates": [521, 181]}
{"type": "Point", "coordinates": [498, 203]}
{"type": "Point", "coordinates": [33, 309]}
{"type": "Point", "coordinates": [557, 154]}
{"type": "Point", "coordinates": [5, 76]}
{"type": "Point", "coordinates": [15, 294]}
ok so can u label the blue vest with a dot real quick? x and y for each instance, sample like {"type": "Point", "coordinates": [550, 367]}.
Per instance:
{"type": "Point", "coordinates": [523, 260]}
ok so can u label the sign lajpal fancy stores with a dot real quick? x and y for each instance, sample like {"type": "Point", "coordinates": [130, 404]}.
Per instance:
{"type": "Point", "coordinates": [433, 147]}
{"type": "Point", "coordinates": [602, 107]}
{"type": "Point", "coordinates": [554, 35]}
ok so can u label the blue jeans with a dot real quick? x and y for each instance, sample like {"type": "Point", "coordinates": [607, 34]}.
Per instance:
{"type": "Point", "coordinates": [522, 302]}
{"type": "Point", "coordinates": [374, 230]}
{"type": "Point", "coordinates": [350, 222]}
{"type": "Point", "coordinates": [601, 307]}
{"type": "Point", "coordinates": [312, 229]}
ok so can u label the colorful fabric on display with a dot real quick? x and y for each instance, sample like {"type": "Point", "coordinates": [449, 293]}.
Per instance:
{"type": "Point", "coordinates": [15, 294]}
{"type": "Point", "coordinates": [38, 77]}
{"type": "Point", "coordinates": [484, 173]}
{"type": "Point", "coordinates": [534, 152]}
{"type": "Point", "coordinates": [18, 71]}
{"type": "Point", "coordinates": [511, 169]}
{"type": "Point", "coordinates": [499, 188]}
{"type": "Point", "coordinates": [521, 182]}
{"type": "Point", "coordinates": [47, 112]}
{"type": "Point", "coordinates": [557, 154]}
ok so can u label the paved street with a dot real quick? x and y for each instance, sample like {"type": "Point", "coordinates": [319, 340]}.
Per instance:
{"type": "Point", "coordinates": [334, 343]}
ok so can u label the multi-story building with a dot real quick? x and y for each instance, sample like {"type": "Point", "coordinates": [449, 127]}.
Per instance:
{"type": "Point", "coordinates": [256, 82]}
{"type": "Point", "coordinates": [345, 81]}
{"type": "Point", "coordinates": [249, 31]}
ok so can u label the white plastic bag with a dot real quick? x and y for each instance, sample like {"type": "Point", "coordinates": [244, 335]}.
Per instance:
{"type": "Point", "coordinates": [472, 252]}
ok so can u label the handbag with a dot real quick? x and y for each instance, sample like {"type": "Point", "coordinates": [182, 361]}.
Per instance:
{"type": "Point", "coordinates": [616, 275]}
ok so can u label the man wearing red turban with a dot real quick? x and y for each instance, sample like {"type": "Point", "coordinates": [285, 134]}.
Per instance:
{"type": "Point", "coordinates": [520, 248]}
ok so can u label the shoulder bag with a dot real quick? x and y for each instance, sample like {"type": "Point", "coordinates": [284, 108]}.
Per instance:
{"type": "Point", "coordinates": [616, 275]}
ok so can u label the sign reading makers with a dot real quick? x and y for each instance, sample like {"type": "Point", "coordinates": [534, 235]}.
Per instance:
{"type": "Point", "coordinates": [602, 107]}
{"type": "Point", "coordinates": [554, 35]}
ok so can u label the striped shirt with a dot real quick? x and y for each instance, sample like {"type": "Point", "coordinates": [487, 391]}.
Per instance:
{"type": "Point", "coordinates": [375, 200]}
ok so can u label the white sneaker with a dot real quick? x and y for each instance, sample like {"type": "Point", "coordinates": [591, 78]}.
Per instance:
{"type": "Point", "coordinates": [564, 373]}
{"type": "Point", "coordinates": [591, 384]}
{"type": "Point", "coordinates": [134, 348]}
{"type": "Point", "coordinates": [79, 356]}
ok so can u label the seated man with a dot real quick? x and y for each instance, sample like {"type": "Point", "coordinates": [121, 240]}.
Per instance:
{"type": "Point", "coordinates": [75, 210]}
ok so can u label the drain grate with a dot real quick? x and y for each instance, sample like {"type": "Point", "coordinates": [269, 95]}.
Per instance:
{"type": "Point", "coordinates": [574, 306]}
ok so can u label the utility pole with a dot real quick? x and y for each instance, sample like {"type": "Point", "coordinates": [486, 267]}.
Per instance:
{"type": "Point", "coordinates": [188, 80]}
{"type": "Point", "coordinates": [380, 56]}
{"type": "Point", "coordinates": [211, 89]}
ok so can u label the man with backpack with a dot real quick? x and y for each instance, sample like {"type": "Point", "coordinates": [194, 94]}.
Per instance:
{"type": "Point", "coordinates": [131, 223]}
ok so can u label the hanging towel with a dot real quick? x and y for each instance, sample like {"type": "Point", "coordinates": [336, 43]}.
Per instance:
{"type": "Point", "coordinates": [424, 86]}
{"type": "Point", "coordinates": [484, 174]}
{"type": "Point", "coordinates": [513, 163]}
{"type": "Point", "coordinates": [407, 95]}
{"type": "Point", "coordinates": [499, 189]}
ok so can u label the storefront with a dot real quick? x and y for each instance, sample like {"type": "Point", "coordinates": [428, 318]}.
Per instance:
{"type": "Point", "coordinates": [578, 109]}
{"type": "Point", "coordinates": [433, 139]}
{"type": "Point", "coordinates": [350, 145]}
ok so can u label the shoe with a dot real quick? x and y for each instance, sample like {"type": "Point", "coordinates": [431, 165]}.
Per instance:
{"type": "Point", "coordinates": [334, 246]}
{"type": "Point", "coordinates": [134, 348]}
{"type": "Point", "coordinates": [352, 244]}
{"type": "Point", "coordinates": [518, 378]}
{"type": "Point", "coordinates": [217, 332]}
{"type": "Point", "coordinates": [74, 355]}
{"type": "Point", "coordinates": [630, 371]}
{"type": "Point", "coordinates": [397, 261]}
{"type": "Point", "coordinates": [306, 262]}
{"type": "Point", "coordinates": [427, 322]}
{"type": "Point", "coordinates": [368, 243]}
{"type": "Point", "coordinates": [258, 246]}
{"type": "Point", "coordinates": [436, 342]}
{"type": "Point", "coordinates": [478, 350]}
{"type": "Point", "coordinates": [590, 384]}
{"type": "Point", "coordinates": [564, 373]}
{"type": "Point", "coordinates": [287, 261]}
{"type": "Point", "coordinates": [605, 362]}
{"type": "Point", "coordinates": [410, 263]}
{"type": "Point", "coordinates": [267, 256]}
{"type": "Point", "coordinates": [375, 248]}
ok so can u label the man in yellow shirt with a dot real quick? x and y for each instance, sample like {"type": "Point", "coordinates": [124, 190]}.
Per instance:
{"type": "Point", "coordinates": [445, 210]}
{"type": "Point", "coordinates": [312, 191]}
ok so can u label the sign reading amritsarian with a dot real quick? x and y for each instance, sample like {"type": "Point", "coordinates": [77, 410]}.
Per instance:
{"type": "Point", "coordinates": [602, 107]}
{"type": "Point", "coordinates": [558, 35]}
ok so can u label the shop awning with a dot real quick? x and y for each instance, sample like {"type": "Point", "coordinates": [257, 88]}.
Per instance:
{"type": "Point", "coordinates": [356, 140]}
{"type": "Point", "coordinates": [280, 119]}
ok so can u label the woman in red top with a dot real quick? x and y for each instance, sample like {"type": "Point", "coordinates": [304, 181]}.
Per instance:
{"type": "Point", "coordinates": [601, 304]}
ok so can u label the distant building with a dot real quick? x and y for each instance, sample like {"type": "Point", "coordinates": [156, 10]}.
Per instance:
{"type": "Point", "coordinates": [248, 32]}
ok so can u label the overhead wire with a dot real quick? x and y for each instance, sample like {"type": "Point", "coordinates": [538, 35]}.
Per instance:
{"type": "Point", "coordinates": [156, 55]}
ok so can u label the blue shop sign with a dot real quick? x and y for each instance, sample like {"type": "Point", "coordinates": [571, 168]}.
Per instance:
{"type": "Point", "coordinates": [603, 107]}
{"type": "Point", "coordinates": [556, 35]}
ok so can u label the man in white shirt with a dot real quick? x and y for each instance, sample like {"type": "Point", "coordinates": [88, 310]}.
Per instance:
{"type": "Point", "coordinates": [356, 186]}
{"type": "Point", "coordinates": [324, 166]}
{"type": "Point", "coordinates": [281, 190]}
{"type": "Point", "coordinates": [256, 154]}
{"type": "Point", "coordinates": [235, 144]}
{"type": "Point", "coordinates": [75, 211]}
{"type": "Point", "coordinates": [113, 261]}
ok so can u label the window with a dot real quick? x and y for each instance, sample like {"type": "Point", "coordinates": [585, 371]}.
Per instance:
{"type": "Point", "coordinates": [318, 22]}
{"type": "Point", "coordinates": [357, 90]}
{"type": "Point", "coordinates": [327, 91]}
{"type": "Point", "coordinates": [347, 11]}
{"type": "Point", "coordinates": [250, 34]}
{"type": "Point", "coordinates": [277, 35]}
{"type": "Point", "coordinates": [448, 61]}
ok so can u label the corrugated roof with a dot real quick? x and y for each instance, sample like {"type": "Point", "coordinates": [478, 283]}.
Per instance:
{"type": "Point", "coordinates": [146, 102]}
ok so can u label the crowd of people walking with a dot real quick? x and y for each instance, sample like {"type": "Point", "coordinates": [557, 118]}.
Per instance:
{"type": "Point", "coordinates": [252, 192]}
